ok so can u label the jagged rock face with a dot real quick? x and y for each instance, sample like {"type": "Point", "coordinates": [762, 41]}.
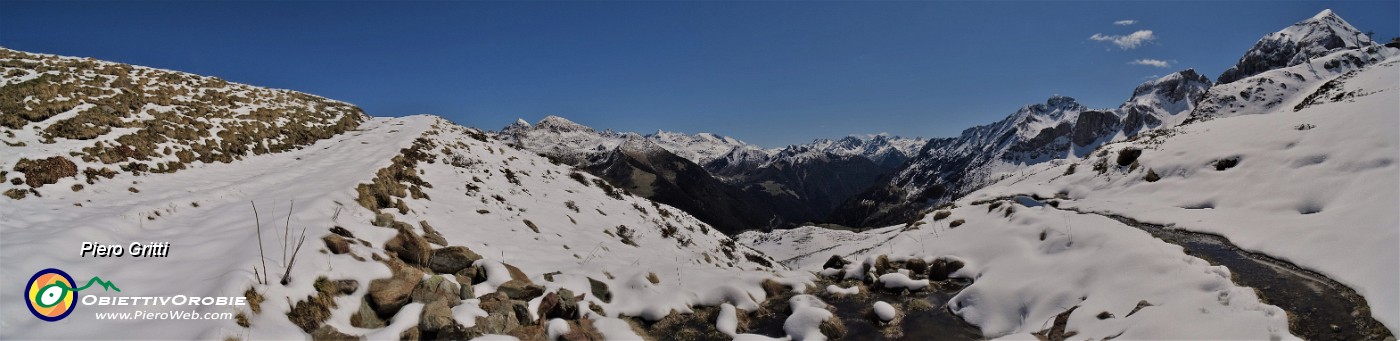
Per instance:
{"type": "Point", "coordinates": [1315, 37]}
{"type": "Point", "coordinates": [1092, 125]}
{"type": "Point", "coordinates": [1135, 118]}
{"type": "Point", "coordinates": [1048, 139]}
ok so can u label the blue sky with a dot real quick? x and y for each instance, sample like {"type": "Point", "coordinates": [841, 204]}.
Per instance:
{"type": "Point", "coordinates": [770, 73]}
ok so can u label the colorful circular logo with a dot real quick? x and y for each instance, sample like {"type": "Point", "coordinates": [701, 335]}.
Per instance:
{"type": "Point", "coordinates": [50, 294]}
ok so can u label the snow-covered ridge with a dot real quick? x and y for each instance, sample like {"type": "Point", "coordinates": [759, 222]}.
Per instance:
{"type": "Point", "coordinates": [65, 116]}
{"type": "Point", "coordinates": [562, 138]}
{"type": "Point", "coordinates": [1276, 88]}
{"type": "Point", "coordinates": [880, 148]}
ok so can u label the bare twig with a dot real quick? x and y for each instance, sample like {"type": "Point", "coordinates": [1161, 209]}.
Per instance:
{"type": "Point", "coordinates": [261, 256]}
{"type": "Point", "coordinates": [286, 275]}
{"type": "Point", "coordinates": [286, 229]}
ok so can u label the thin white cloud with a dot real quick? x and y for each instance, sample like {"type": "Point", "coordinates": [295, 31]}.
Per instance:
{"type": "Point", "coordinates": [1151, 62]}
{"type": "Point", "coordinates": [1126, 42]}
{"type": "Point", "coordinates": [1125, 22]}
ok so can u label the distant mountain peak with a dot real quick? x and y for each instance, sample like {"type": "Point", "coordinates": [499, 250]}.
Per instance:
{"type": "Point", "coordinates": [560, 124]}
{"type": "Point", "coordinates": [1314, 37]}
{"type": "Point", "coordinates": [1326, 13]}
{"type": "Point", "coordinates": [1055, 108]}
{"type": "Point", "coordinates": [1061, 101]}
{"type": "Point", "coordinates": [1175, 86]}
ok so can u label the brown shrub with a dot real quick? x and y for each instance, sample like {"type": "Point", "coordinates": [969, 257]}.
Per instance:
{"type": "Point", "coordinates": [15, 193]}
{"type": "Point", "coordinates": [38, 173]}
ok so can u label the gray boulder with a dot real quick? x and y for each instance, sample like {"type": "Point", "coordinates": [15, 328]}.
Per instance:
{"type": "Point", "coordinates": [451, 259]}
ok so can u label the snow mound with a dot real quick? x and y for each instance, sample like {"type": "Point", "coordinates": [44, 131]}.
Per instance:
{"type": "Point", "coordinates": [900, 280]}
{"type": "Point", "coordinates": [884, 311]}
{"type": "Point", "coordinates": [808, 313]}
{"type": "Point", "coordinates": [837, 290]}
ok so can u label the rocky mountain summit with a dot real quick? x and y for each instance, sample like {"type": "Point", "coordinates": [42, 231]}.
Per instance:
{"type": "Point", "coordinates": [1315, 37]}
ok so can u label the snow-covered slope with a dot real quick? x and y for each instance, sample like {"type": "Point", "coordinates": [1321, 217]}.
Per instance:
{"type": "Point", "coordinates": [69, 116]}
{"type": "Point", "coordinates": [1273, 90]}
{"type": "Point", "coordinates": [1315, 186]}
{"type": "Point", "coordinates": [506, 205]}
{"type": "Point", "coordinates": [1028, 266]}
{"type": "Point", "coordinates": [381, 204]}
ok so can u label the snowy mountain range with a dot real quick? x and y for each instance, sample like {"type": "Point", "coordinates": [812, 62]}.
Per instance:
{"type": "Point", "coordinates": [724, 181]}
{"type": "Point", "coordinates": [1259, 207]}
{"type": "Point", "coordinates": [1275, 72]}
{"type": "Point", "coordinates": [562, 138]}
{"type": "Point", "coordinates": [1060, 128]}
